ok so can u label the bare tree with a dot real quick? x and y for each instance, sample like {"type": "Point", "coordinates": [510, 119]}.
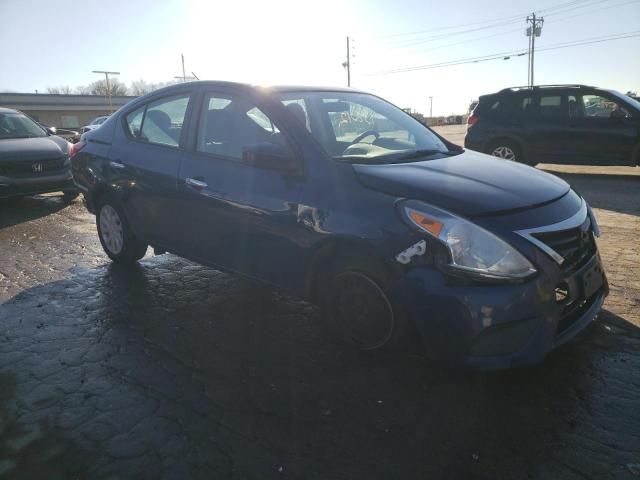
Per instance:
{"type": "Point", "coordinates": [83, 90]}
{"type": "Point", "coordinates": [61, 90]}
{"type": "Point", "coordinates": [100, 88]}
{"type": "Point", "coordinates": [141, 87]}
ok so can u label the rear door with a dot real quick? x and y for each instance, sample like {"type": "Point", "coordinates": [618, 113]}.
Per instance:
{"type": "Point", "coordinates": [145, 158]}
{"type": "Point", "coordinates": [237, 215]}
{"type": "Point", "coordinates": [548, 126]}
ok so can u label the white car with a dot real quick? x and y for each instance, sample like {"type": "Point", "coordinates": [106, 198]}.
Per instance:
{"type": "Point", "coordinates": [95, 123]}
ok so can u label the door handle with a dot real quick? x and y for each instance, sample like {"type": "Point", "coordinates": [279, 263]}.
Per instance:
{"type": "Point", "coordinates": [117, 164]}
{"type": "Point", "coordinates": [195, 183]}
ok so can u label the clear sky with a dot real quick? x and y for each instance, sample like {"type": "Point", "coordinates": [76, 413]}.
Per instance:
{"type": "Point", "coordinates": [45, 44]}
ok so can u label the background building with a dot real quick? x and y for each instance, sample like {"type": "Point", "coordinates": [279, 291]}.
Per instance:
{"type": "Point", "coordinates": [64, 111]}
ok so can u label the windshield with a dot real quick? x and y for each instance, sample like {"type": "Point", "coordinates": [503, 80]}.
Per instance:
{"type": "Point", "coordinates": [359, 127]}
{"type": "Point", "coordinates": [17, 125]}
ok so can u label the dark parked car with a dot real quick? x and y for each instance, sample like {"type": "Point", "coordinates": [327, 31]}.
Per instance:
{"type": "Point", "coordinates": [342, 198]}
{"type": "Point", "coordinates": [573, 124]}
{"type": "Point", "coordinates": [31, 159]}
{"type": "Point", "coordinates": [95, 123]}
{"type": "Point", "coordinates": [69, 135]}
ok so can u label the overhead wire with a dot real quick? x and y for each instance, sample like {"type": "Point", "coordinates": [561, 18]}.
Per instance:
{"type": "Point", "coordinates": [513, 53]}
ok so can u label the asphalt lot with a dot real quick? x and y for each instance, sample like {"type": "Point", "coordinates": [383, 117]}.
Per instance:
{"type": "Point", "coordinates": [173, 370]}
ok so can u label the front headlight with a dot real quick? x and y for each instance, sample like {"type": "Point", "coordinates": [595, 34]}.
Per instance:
{"type": "Point", "coordinates": [472, 248]}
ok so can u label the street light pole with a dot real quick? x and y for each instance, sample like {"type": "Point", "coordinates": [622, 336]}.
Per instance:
{"type": "Point", "coordinates": [430, 107]}
{"type": "Point", "coordinates": [106, 76]}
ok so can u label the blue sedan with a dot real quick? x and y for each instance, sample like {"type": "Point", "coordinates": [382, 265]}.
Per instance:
{"type": "Point", "coordinates": [340, 197]}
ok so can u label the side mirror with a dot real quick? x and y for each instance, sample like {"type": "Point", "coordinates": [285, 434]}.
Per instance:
{"type": "Point", "coordinates": [48, 130]}
{"type": "Point", "coordinates": [270, 156]}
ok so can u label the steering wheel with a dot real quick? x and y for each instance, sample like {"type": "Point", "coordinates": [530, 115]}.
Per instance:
{"type": "Point", "coordinates": [364, 135]}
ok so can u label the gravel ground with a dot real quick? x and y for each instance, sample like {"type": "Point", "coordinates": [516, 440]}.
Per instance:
{"type": "Point", "coordinates": [173, 370]}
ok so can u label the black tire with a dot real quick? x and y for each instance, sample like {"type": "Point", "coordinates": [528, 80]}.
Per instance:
{"type": "Point", "coordinates": [507, 150]}
{"type": "Point", "coordinates": [356, 307]}
{"type": "Point", "coordinates": [70, 195]}
{"type": "Point", "coordinates": [126, 249]}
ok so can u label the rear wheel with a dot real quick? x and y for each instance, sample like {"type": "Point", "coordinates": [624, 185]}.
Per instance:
{"type": "Point", "coordinates": [507, 150]}
{"type": "Point", "coordinates": [357, 308]}
{"type": "Point", "coordinates": [116, 237]}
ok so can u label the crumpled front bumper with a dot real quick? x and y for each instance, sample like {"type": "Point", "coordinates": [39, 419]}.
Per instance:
{"type": "Point", "coordinates": [487, 326]}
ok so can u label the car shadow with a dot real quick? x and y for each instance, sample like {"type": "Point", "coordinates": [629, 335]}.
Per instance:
{"type": "Point", "coordinates": [174, 361]}
{"type": "Point", "coordinates": [619, 193]}
{"type": "Point", "coordinates": [17, 210]}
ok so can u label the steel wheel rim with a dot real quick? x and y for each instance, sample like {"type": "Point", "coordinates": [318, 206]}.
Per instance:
{"type": "Point", "coordinates": [111, 229]}
{"type": "Point", "coordinates": [362, 312]}
{"type": "Point", "coordinates": [504, 152]}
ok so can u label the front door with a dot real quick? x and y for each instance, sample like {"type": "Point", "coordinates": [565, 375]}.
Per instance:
{"type": "Point", "coordinates": [602, 132]}
{"type": "Point", "coordinates": [236, 215]}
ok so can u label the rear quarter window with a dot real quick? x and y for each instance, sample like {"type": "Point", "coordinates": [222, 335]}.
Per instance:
{"type": "Point", "coordinates": [503, 107]}
{"type": "Point", "coordinates": [133, 121]}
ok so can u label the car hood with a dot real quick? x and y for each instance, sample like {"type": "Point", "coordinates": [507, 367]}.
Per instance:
{"type": "Point", "coordinates": [38, 148]}
{"type": "Point", "coordinates": [468, 184]}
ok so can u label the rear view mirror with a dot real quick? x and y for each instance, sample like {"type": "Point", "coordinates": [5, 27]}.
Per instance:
{"type": "Point", "coordinates": [336, 106]}
{"type": "Point", "coordinates": [270, 156]}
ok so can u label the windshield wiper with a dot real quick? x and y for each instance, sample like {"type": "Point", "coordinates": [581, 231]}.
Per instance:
{"type": "Point", "coordinates": [422, 153]}
{"type": "Point", "coordinates": [395, 157]}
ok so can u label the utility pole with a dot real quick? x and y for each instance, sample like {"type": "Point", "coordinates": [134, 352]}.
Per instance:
{"type": "Point", "coordinates": [533, 31]}
{"type": "Point", "coordinates": [347, 64]}
{"type": "Point", "coordinates": [184, 77]}
{"type": "Point", "coordinates": [430, 107]}
{"type": "Point", "coordinates": [106, 76]}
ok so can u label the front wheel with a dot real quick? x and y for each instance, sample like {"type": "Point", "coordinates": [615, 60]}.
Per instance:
{"type": "Point", "coordinates": [116, 237]}
{"type": "Point", "coordinates": [357, 308]}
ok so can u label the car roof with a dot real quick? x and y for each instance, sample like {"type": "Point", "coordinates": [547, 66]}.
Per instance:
{"type": "Point", "coordinates": [275, 88]}
{"type": "Point", "coordinates": [8, 110]}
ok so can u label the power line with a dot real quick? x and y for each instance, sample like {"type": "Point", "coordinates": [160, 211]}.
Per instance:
{"type": "Point", "coordinates": [504, 21]}
{"type": "Point", "coordinates": [511, 17]}
{"type": "Point", "coordinates": [513, 53]}
{"type": "Point", "coordinates": [588, 3]}
{"type": "Point", "coordinates": [583, 4]}
{"type": "Point", "coordinates": [592, 11]}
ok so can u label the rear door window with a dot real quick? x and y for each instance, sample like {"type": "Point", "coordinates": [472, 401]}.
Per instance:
{"type": "Point", "coordinates": [551, 106]}
{"type": "Point", "coordinates": [163, 120]}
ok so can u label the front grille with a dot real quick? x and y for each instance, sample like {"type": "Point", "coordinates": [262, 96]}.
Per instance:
{"type": "Point", "coordinates": [31, 168]}
{"type": "Point", "coordinates": [575, 245]}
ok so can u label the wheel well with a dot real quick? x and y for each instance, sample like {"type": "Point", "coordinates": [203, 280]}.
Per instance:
{"type": "Point", "coordinates": [325, 256]}
{"type": "Point", "coordinates": [95, 197]}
